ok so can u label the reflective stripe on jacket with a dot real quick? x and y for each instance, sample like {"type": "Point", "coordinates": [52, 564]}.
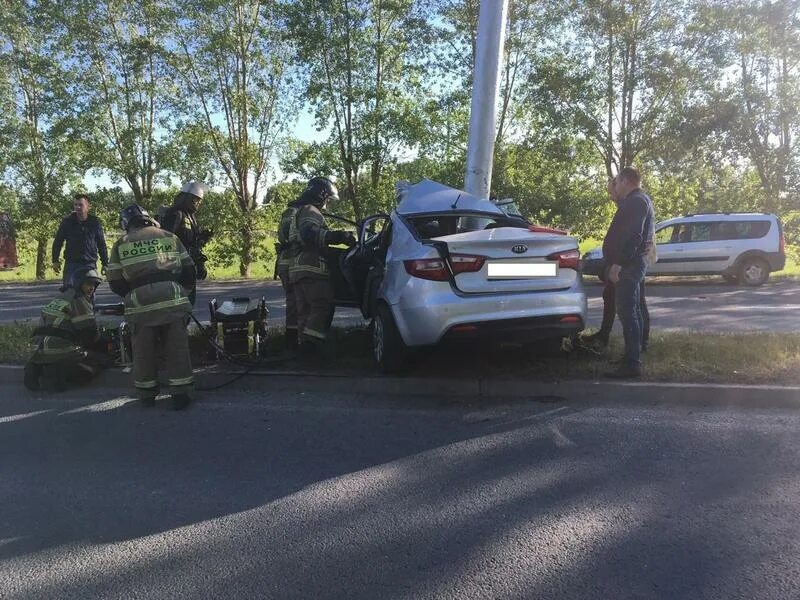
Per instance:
{"type": "Point", "coordinates": [312, 233]}
{"type": "Point", "coordinates": [72, 313]}
{"type": "Point", "coordinates": [150, 252]}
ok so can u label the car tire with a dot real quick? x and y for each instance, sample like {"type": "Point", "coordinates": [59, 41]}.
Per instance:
{"type": "Point", "coordinates": [388, 347]}
{"type": "Point", "coordinates": [753, 271]}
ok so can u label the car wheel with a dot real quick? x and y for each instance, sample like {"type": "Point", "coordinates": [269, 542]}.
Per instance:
{"type": "Point", "coordinates": [753, 271]}
{"type": "Point", "coordinates": [388, 347]}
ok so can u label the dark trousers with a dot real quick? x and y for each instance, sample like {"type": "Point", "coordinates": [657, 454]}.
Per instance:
{"type": "Point", "coordinates": [314, 308]}
{"type": "Point", "coordinates": [628, 309]}
{"type": "Point", "coordinates": [291, 301]}
{"type": "Point", "coordinates": [610, 312]}
{"type": "Point", "coordinates": [71, 267]}
{"type": "Point", "coordinates": [167, 345]}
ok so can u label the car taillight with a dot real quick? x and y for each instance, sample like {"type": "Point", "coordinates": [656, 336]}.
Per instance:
{"type": "Point", "coordinates": [543, 229]}
{"type": "Point", "coordinates": [433, 269]}
{"type": "Point", "coordinates": [568, 259]}
{"type": "Point", "coordinates": [466, 263]}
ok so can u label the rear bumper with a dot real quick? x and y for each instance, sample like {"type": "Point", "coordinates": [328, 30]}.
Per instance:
{"type": "Point", "coordinates": [426, 318]}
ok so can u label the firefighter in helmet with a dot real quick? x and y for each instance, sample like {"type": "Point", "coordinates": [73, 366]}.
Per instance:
{"type": "Point", "coordinates": [308, 238]}
{"type": "Point", "coordinates": [151, 268]}
{"type": "Point", "coordinates": [68, 349]}
{"type": "Point", "coordinates": [180, 219]}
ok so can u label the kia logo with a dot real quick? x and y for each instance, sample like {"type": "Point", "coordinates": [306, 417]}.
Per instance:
{"type": "Point", "coordinates": [519, 249]}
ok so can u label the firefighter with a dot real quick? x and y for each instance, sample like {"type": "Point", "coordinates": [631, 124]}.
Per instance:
{"type": "Point", "coordinates": [153, 271]}
{"type": "Point", "coordinates": [308, 271]}
{"type": "Point", "coordinates": [180, 219]}
{"type": "Point", "coordinates": [68, 342]}
{"type": "Point", "coordinates": [286, 251]}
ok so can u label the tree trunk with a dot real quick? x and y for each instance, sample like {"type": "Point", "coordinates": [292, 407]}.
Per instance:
{"type": "Point", "coordinates": [41, 258]}
{"type": "Point", "coordinates": [246, 258]}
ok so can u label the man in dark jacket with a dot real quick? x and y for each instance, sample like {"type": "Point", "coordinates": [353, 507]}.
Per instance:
{"type": "Point", "coordinates": [180, 219]}
{"type": "Point", "coordinates": [85, 240]}
{"type": "Point", "coordinates": [625, 249]}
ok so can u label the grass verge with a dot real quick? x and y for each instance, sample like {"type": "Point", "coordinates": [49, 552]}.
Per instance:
{"type": "Point", "coordinates": [674, 356]}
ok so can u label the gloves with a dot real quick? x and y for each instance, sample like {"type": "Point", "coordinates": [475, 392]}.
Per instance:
{"type": "Point", "coordinates": [341, 237]}
{"type": "Point", "coordinates": [57, 266]}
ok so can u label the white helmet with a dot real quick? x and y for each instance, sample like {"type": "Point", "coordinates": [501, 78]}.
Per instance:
{"type": "Point", "coordinates": [195, 188]}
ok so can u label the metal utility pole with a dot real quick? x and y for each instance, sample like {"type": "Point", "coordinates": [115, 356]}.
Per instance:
{"type": "Point", "coordinates": [485, 89]}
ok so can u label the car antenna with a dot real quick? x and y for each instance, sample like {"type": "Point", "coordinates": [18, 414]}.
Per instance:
{"type": "Point", "coordinates": [453, 205]}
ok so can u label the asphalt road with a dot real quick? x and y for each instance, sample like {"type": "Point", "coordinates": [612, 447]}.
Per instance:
{"type": "Point", "coordinates": [258, 494]}
{"type": "Point", "coordinates": [708, 305]}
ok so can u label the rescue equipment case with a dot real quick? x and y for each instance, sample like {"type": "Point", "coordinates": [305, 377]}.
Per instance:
{"type": "Point", "coordinates": [239, 326]}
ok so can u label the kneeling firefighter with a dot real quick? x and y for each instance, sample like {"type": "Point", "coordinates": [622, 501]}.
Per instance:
{"type": "Point", "coordinates": [307, 240]}
{"type": "Point", "coordinates": [151, 268]}
{"type": "Point", "coordinates": [69, 344]}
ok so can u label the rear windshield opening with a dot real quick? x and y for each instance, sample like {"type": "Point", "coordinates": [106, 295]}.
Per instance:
{"type": "Point", "coordinates": [434, 226]}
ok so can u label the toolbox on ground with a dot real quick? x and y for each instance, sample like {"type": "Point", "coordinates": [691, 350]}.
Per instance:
{"type": "Point", "coordinates": [239, 326]}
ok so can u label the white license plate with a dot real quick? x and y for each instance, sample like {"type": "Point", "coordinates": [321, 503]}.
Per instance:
{"type": "Point", "coordinates": [522, 270]}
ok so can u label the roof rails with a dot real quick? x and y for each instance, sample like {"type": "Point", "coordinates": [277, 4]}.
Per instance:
{"type": "Point", "coordinates": [702, 214]}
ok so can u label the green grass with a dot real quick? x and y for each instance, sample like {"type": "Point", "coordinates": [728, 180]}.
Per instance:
{"type": "Point", "coordinates": [748, 358]}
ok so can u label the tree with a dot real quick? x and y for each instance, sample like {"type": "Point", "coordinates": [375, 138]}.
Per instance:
{"type": "Point", "coordinates": [38, 153]}
{"type": "Point", "coordinates": [621, 69]}
{"type": "Point", "coordinates": [121, 89]}
{"type": "Point", "coordinates": [232, 64]}
{"type": "Point", "coordinates": [363, 79]}
{"type": "Point", "coordinates": [757, 50]}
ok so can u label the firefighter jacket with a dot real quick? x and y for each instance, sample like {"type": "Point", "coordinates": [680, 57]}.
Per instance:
{"type": "Point", "coordinates": [289, 245]}
{"type": "Point", "coordinates": [153, 271]}
{"type": "Point", "coordinates": [309, 228]}
{"type": "Point", "coordinates": [180, 220]}
{"type": "Point", "coordinates": [67, 325]}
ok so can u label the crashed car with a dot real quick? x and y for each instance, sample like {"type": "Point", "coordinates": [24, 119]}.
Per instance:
{"type": "Point", "coordinates": [447, 265]}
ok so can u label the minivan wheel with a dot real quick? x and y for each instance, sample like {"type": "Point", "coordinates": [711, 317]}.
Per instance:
{"type": "Point", "coordinates": [753, 271]}
{"type": "Point", "coordinates": [388, 347]}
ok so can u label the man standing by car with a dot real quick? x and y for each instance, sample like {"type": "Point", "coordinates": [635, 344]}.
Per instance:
{"type": "Point", "coordinates": [151, 269]}
{"type": "Point", "coordinates": [308, 272]}
{"type": "Point", "coordinates": [85, 240]}
{"type": "Point", "coordinates": [625, 249]}
{"type": "Point", "coordinates": [180, 219]}
{"type": "Point", "coordinates": [601, 337]}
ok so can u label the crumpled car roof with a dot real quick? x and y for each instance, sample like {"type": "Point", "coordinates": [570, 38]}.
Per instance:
{"type": "Point", "coordinates": [432, 197]}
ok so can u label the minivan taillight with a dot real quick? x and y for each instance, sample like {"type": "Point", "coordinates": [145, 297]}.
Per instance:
{"type": "Point", "coordinates": [568, 259]}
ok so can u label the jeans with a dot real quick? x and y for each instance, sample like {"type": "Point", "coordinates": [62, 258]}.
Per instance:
{"type": "Point", "coordinates": [610, 311]}
{"type": "Point", "coordinates": [627, 297]}
{"type": "Point", "coordinates": [71, 267]}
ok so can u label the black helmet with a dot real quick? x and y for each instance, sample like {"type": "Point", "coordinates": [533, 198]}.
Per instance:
{"type": "Point", "coordinates": [131, 214]}
{"type": "Point", "coordinates": [85, 274]}
{"type": "Point", "coordinates": [320, 190]}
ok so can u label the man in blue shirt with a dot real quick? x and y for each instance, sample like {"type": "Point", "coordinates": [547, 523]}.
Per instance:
{"type": "Point", "coordinates": [625, 249]}
{"type": "Point", "coordinates": [85, 240]}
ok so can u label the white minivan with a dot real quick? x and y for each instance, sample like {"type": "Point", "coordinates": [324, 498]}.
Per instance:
{"type": "Point", "coordinates": [743, 247]}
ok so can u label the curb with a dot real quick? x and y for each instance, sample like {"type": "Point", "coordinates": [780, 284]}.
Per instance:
{"type": "Point", "coordinates": [575, 391]}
